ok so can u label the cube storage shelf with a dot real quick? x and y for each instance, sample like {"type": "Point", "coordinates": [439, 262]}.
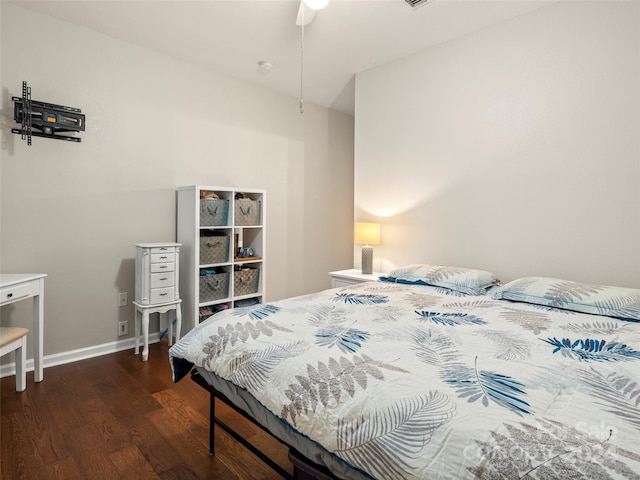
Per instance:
{"type": "Point", "coordinates": [222, 232]}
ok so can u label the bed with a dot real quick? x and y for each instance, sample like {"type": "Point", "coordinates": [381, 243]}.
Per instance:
{"type": "Point", "coordinates": [436, 372]}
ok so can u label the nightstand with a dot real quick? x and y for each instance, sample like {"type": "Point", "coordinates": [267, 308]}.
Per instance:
{"type": "Point", "coordinates": [345, 278]}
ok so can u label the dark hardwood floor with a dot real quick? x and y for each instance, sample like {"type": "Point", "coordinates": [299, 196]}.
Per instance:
{"type": "Point", "coordinates": [116, 417]}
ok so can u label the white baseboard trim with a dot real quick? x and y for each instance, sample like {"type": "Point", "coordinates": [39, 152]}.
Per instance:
{"type": "Point", "coordinates": [80, 354]}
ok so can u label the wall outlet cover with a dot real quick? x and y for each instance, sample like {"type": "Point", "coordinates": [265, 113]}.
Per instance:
{"type": "Point", "coordinates": [122, 299]}
{"type": "Point", "coordinates": [123, 329]}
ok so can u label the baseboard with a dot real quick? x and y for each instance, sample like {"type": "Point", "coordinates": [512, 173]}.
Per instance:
{"type": "Point", "coordinates": [79, 354]}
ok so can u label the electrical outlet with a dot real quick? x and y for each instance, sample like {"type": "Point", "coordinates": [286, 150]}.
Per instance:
{"type": "Point", "coordinates": [122, 299]}
{"type": "Point", "coordinates": [123, 328]}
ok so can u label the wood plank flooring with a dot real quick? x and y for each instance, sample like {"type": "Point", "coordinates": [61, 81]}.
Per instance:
{"type": "Point", "coordinates": [115, 417]}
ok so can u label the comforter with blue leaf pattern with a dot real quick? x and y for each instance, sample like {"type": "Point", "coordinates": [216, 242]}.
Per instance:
{"type": "Point", "coordinates": [417, 382]}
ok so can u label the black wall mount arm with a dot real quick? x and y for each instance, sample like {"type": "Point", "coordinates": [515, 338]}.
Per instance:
{"type": "Point", "coordinates": [42, 119]}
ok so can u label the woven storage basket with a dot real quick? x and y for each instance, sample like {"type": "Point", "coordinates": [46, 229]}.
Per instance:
{"type": "Point", "coordinates": [245, 281]}
{"type": "Point", "coordinates": [214, 212]}
{"type": "Point", "coordinates": [214, 249]}
{"type": "Point", "coordinates": [247, 211]}
{"type": "Point", "coordinates": [214, 287]}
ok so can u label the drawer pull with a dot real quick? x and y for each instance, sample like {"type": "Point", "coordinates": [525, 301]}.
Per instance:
{"type": "Point", "coordinates": [163, 258]}
{"type": "Point", "coordinates": [163, 279]}
{"type": "Point", "coordinates": [163, 294]}
{"type": "Point", "coordinates": [10, 295]}
{"type": "Point", "coordinates": [163, 266]}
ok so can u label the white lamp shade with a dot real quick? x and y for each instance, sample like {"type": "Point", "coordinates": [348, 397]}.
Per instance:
{"type": "Point", "coordinates": [367, 233]}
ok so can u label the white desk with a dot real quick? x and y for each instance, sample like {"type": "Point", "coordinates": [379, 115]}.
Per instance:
{"type": "Point", "coordinates": [20, 286]}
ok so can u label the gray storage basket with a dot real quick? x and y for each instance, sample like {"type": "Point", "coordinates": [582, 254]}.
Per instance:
{"type": "Point", "coordinates": [214, 212]}
{"type": "Point", "coordinates": [214, 287]}
{"type": "Point", "coordinates": [214, 249]}
{"type": "Point", "coordinates": [247, 211]}
{"type": "Point", "coordinates": [245, 281]}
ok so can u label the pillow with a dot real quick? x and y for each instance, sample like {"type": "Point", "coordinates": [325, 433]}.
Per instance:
{"type": "Point", "coordinates": [617, 302]}
{"type": "Point", "coordinates": [464, 280]}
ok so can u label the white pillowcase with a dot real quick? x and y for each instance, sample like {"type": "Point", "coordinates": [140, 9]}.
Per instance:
{"type": "Point", "coordinates": [464, 280]}
{"type": "Point", "coordinates": [617, 302]}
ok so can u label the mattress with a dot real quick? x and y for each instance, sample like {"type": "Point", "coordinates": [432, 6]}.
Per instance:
{"type": "Point", "coordinates": [405, 381]}
{"type": "Point", "coordinates": [281, 429]}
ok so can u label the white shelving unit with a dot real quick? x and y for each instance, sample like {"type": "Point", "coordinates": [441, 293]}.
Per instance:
{"type": "Point", "coordinates": [222, 258]}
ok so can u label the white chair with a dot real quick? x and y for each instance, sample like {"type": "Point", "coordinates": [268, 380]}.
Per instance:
{"type": "Point", "coordinates": [15, 339]}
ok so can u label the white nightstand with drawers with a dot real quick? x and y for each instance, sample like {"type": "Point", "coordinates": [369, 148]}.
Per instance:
{"type": "Point", "coordinates": [345, 278]}
{"type": "Point", "coordinates": [157, 266]}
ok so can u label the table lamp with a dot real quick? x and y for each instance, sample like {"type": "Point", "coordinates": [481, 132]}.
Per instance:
{"type": "Point", "coordinates": [367, 234]}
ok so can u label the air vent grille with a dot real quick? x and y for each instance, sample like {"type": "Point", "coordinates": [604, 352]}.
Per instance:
{"type": "Point", "coordinates": [417, 3]}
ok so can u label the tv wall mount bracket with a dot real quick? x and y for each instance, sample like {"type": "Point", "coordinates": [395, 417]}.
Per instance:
{"type": "Point", "coordinates": [42, 119]}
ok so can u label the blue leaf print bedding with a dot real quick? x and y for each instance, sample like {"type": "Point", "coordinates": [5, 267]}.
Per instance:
{"type": "Point", "coordinates": [409, 382]}
{"type": "Point", "coordinates": [595, 350]}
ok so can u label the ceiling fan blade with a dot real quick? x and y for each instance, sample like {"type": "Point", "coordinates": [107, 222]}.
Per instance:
{"type": "Point", "coordinates": [309, 14]}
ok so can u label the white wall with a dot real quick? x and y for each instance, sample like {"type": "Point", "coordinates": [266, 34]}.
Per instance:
{"type": "Point", "coordinates": [515, 149]}
{"type": "Point", "coordinates": [74, 211]}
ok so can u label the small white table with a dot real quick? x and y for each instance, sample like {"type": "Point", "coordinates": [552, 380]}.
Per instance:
{"type": "Point", "coordinates": [142, 318]}
{"type": "Point", "coordinates": [21, 286]}
{"type": "Point", "coordinates": [345, 278]}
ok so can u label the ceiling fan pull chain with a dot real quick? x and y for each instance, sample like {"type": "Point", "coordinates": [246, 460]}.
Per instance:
{"type": "Point", "coordinates": [302, 62]}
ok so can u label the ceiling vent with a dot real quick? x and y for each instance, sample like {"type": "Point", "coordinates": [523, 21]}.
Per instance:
{"type": "Point", "coordinates": [417, 3]}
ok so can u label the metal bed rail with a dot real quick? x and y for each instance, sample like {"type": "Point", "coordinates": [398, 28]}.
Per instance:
{"type": "Point", "coordinates": [213, 420]}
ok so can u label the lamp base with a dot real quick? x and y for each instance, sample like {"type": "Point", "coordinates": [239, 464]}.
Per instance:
{"type": "Point", "coordinates": [367, 260]}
